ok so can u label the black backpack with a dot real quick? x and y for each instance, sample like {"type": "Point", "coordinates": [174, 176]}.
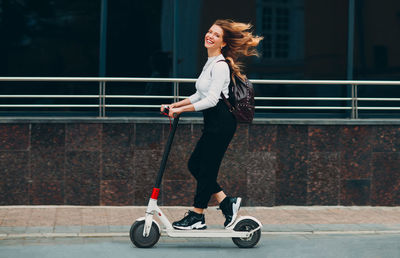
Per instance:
{"type": "Point", "coordinates": [241, 98]}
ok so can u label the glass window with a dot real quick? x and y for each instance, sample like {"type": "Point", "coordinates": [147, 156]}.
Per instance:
{"type": "Point", "coordinates": [274, 25]}
{"type": "Point", "coordinates": [164, 38]}
{"type": "Point", "coordinates": [49, 38]}
{"type": "Point", "coordinates": [377, 53]}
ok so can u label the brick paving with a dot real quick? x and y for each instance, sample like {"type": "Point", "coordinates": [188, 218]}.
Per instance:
{"type": "Point", "coordinates": [76, 220]}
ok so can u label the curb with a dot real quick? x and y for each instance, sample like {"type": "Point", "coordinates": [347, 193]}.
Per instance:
{"type": "Point", "coordinates": [126, 234]}
{"type": "Point", "coordinates": [330, 232]}
{"type": "Point", "coordinates": [62, 235]}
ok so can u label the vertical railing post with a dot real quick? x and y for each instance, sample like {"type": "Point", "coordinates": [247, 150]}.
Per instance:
{"type": "Point", "coordinates": [354, 102]}
{"type": "Point", "coordinates": [102, 99]}
{"type": "Point", "coordinates": [176, 91]}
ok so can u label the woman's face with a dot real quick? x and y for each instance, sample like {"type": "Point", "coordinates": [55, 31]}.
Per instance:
{"type": "Point", "coordinates": [214, 38]}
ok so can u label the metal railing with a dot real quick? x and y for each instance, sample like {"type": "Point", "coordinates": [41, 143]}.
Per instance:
{"type": "Point", "coordinates": [353, 101]}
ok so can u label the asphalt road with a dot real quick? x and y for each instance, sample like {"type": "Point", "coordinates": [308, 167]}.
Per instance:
{"type": "Point", "coordinates": [365, 246]}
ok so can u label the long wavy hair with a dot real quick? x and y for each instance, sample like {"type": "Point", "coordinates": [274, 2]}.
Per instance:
{"type": "Point", "coordinates": [240, 42]}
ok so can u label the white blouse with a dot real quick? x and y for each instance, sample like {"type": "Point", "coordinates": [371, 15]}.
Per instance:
{"type": "Point", "coordinates": [213, 80]}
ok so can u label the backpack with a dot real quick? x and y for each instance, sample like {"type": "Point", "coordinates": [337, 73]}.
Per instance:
{"type": "Point", "coordinates": [241, 98]}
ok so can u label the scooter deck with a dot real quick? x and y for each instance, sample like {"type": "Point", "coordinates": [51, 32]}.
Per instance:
{"type": "Point", "coordinates": [207, 233]}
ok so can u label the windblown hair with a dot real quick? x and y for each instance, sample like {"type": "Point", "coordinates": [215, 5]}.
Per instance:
{"type": "Point", "coordinates": [240, 42]}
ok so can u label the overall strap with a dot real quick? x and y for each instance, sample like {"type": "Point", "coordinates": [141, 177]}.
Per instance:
{"type": "Point", "coordinates": [222, 95]}
{"type": "Point", "coordinates": [231, 108]}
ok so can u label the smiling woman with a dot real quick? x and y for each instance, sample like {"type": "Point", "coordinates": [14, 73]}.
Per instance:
{"type": "Point", "coordinates": [225, 41]}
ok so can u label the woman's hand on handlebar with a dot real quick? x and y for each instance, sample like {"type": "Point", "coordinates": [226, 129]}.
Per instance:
{"type": "Point", "coordinates": [163, 106]}
{"type": "Point", "coordinates": [174, 112]}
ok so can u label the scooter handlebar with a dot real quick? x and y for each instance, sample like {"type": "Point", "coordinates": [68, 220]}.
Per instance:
{"type": "Point", "coordinates": [166, 112]}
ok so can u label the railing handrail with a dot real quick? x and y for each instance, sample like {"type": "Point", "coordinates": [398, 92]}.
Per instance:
{"type": "Point", "coordinates": [351, 104]}
{"type": "Point", "coordinates": [191, 80]}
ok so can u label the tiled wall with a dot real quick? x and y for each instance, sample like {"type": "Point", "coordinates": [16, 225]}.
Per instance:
{"type": "Point", "coordinates": [267, 164]}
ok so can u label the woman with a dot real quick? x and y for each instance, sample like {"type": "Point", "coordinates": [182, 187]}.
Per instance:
{"type": "Point", "coordinates": [225, 41]}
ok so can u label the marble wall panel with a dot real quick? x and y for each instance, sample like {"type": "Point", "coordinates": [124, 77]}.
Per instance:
{"type": "Point", "coordinates": [149, 136]}
{"type": "Point", "coordinates": [117, 192]}
{"type": "Point", "coordinates": [291, 192]}
{"type": "Point", "coordinates": [385, 186]}
{"type": "Point", "coordinates": [356, 149]}
{"type": "Point", "coordinates": [14, 136]}
{"type": "Point", "coordinates": [146, 166]}
{"type": "Point", "coordinates": [262, 138]}
{"type": "Point", "coordinates": [116, 164]}
{"type": "Point", "coordinates": [240, 140]}
{"type": "Point", "coordinates": [181, 149]}
{"type": "Point", "coordinates": [355, 192]}
{"type": "Point", "coordinates": [83, 165]}
{"type": "Point", "coordinates": [48, 136]}
{"type": "Point", "coordinates": [261, 173]}
{"type": "Point", "coordinates": [47, 164]}
{"type": "Point", "coordinates": [117, 137]}
{"type": "Point", "coordinates": [323, 178]}
{"type": "Point", "coordinates": [292, 152]}
{"type": "Point", "coordinates": [387, 139]}
{"type": "Point", "coordinates": [14, 191]}
{"type": "Point", "coordinates": [232, 175]}
{"type": "Point", "coordinates": [46, 192]}
{"type": "Point", "coordinates": [82, 191]}
{"type": "Point", "coordinates": [322, 138]}
{"type": "Point", "coordinates": [84, 137]}
{"type": "Point", "coordinates": [14, 165]}
{"type": "Point", "coordinates": [14, 177]}
{"type": "Point", "coordinates": [142, 194]}
{"type": "Point", "coordinates": [178, 192]}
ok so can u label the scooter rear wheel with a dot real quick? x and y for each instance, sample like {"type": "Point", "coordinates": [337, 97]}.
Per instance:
{"type": "Point", "coordinates": [247, 225]}
{"type": "Point", "coordinates": [137, 238]}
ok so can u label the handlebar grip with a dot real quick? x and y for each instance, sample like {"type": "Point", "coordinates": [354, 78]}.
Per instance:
{"type": "Point", "coordinates": [165, 111]}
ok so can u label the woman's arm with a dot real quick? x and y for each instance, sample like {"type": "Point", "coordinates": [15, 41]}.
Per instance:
{"type": "Point", "coordinates": [179, 107]}
{"type": "Point", "coordinates": [181, 103]}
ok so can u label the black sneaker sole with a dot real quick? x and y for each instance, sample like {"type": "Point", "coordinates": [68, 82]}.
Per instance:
{"type": "Point", "coordinates": [190, 227]}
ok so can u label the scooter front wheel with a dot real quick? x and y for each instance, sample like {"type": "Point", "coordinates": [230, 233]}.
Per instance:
{"type": "Point", "coordinates": [137, 238]}
{"type": "Point", "coordinates": [247, 225]}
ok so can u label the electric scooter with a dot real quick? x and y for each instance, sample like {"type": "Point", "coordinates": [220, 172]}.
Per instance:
{"type": "Point", "coordinates": [145, 231]}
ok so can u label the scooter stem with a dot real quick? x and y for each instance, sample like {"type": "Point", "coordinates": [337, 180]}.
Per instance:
{"type": "Point", "coordinates": [166, 152]}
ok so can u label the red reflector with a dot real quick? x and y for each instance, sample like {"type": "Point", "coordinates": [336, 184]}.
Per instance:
{"type": "Point", "coordinates": [155, 193]}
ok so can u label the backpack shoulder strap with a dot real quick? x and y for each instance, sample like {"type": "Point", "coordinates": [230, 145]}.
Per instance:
{"type": "Point", "coordinates": [227, 62]}
{"type": "Point", "coordinates": [222, 95]}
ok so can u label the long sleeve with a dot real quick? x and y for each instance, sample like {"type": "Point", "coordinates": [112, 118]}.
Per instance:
{"type": "Point", "coordinates": [219, 80]}
{"type": "Point", "coordinates": [195, 97]}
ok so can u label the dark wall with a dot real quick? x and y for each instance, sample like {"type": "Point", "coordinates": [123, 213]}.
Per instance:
{"type": "Point", "coordinates": [103, 163]}
{"type": "Point", "coordinates": [49, 38]}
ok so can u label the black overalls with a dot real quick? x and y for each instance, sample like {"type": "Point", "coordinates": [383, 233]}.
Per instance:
{"type": "Point", "coordinates": [204, 163]}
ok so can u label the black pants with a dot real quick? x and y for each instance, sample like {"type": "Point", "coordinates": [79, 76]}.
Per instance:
{"type": "Point", "coordinates": [204, 163]}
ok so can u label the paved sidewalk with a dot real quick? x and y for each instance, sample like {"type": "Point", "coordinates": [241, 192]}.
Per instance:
{"type": "Point", "coordinates": [106, 221]}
